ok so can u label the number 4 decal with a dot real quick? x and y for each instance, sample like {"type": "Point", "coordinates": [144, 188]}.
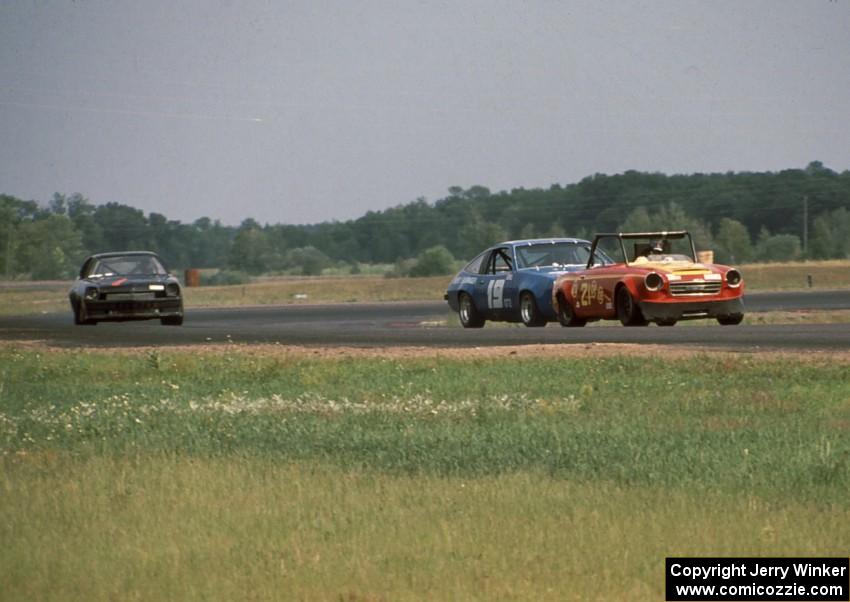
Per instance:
{"type": "Point", "coordinates": [495, 294]}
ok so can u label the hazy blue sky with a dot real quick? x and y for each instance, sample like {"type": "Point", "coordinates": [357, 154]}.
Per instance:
{"type": "Point", "coordinates": [308, 111]}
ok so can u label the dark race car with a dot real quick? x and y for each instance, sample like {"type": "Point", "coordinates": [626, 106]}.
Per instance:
{"type": "Point", "coordinates": [512, 281]}
{"type": "Point", "coordinates": [126, 286]}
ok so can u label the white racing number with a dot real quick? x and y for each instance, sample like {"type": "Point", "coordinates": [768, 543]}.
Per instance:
{"type": "Point", "coordinates": [496, 294]}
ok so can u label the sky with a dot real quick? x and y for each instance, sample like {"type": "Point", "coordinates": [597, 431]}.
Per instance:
{"type": "Point", "coordinates": [309, 111]}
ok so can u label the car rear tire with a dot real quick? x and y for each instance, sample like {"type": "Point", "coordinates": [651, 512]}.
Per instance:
{"type": "Point", "coordinates": [627, 310]}
{"type": "Point", "coordinates": [528, 311]}
{"type": "Point", "coordinates": [172, 321]}
{"type": "Point", "coordinates": [469, 315]}
{"type": "Point", "coordinates": [732, 320]}
{"type": "Point", "coordinates": [567, 315]}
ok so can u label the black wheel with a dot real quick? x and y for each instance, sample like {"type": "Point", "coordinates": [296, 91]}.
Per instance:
{"type": "Point", "coordinates": [528, 311]}
{"type": "Point", "coordinates": [627, 310]}
{"type": "Point", "coordinates": [567, 315]}
{"type": "Point", "coordinates": [666, 322]}
{"type": "Point", "coordinates": [468, 313]}
{"type": "Point", "coordinates": [80, 316]}
{"type": "Point", "coordinates": [171, 321]}
{"type": "Point", "coordinates": [732, 320]}
{"type": "Point", "coordinates": [78, 319]}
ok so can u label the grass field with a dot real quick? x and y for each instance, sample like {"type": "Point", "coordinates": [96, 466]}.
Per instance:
{"type": "Point", "coordinates": [263, 473]}
{"type": "Point", "coordinates": [38, 297]}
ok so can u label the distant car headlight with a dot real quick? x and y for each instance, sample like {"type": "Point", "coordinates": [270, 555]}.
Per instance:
{"type": "Point", "coordinates": [653, 282]}
{"type": "Point", "coordinates": [91, 293]}
{"type": "Point", "coordinates": [172, 289]}
{"type": "Point", "coordinates": [734, 278]}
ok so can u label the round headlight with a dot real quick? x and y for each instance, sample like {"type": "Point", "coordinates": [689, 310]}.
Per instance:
{"type": "Point", "coordinates": [734, 278]}
{"type": "Point", "coordinates": [653, 281]}
{"type": "Point", "coordinates": [91, 293]}
{"type": "Point", "coordinates": [172, 289]}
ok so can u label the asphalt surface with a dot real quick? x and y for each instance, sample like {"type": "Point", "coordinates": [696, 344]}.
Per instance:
{"type": "Point", "coordinates": [407, 324]}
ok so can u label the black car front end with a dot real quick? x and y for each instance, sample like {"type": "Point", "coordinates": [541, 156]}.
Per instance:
{"type": "Point", "coordinates": [132, 301]}
{"type": "Point", "coordinates": [124, 286]}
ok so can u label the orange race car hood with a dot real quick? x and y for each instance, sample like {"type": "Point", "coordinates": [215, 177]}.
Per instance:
{"type": "Point", "coordinates": [678, 268]}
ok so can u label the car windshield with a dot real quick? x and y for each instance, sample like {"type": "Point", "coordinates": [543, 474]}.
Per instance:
{"type": "Point", "coordinates": [552, 254]}
{"type": "Point", "coordinates": [659, 250]}
{"type": "Point", "coordinates": [127, 265]}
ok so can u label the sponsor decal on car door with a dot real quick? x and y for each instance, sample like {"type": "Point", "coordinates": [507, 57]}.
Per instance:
{"type": "Point", "coordinates": [590, 292]}
{"type": "Point", "coordinates": [593, 296]}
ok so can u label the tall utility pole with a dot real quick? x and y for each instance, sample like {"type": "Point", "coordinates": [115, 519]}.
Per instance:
{"type": "Point", "coordinates": [805, 223]}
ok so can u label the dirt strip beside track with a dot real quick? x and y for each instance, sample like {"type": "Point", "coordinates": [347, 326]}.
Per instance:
{"type": "Point", "coordinates": [512, 352]}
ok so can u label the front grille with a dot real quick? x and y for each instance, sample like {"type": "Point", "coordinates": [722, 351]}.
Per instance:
{"type": "Point", "coordinates": [693, 288]}
{"type": "Point", "coordinates": [146, 296]}
{"type": "Point", "coordinates": [135, 305]}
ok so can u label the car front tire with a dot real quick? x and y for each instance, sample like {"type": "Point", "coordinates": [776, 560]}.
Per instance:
{"type": "Point", "coordinates": [567, 315]}
{"type": "Point", "coordinates": [80, 316]}
{"type": "Point", "coordinates": [627, 309]}
{"type": "Point", "coordinates": [732, 320]}
{"type": "Point", "coordinates": [468, 314]}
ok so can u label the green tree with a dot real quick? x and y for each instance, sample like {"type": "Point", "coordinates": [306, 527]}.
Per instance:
{"type": "Point", "coordinates": [211, 243]}
{"type": "Point", "coordinates": [732, 242]}
{"type": "Point", "coordinates": [478, 234]}
{"type": "Point", "coordinates": [830, 235]}
{"type": "Point", "coordinates": [777, 247]}
{"type": "Point", "coordinates": [435, 261]}
{"type": "Point", "coordinates": [49, 248]}
{"type": "Point", "coordinates": [668, 217]}
{"type": "Point", "coordinates": [8, 231]}
{"type": "Point", "coordinates": [81, 212]}
{"type": "Point", "coordinates": [674, 217]}
{"type": "Point", "coordinates": [638, 221]}
{"type": "Point", "coordinates": [58, 204]}
{"type": "Point", "coordinates": [122, 228]}
{"type": "Point", "coordinates": [308, 260]}
{"type": "Point", "coordinates": [467, 220]}
{"type": "Point", "coordinates": [250, 250]}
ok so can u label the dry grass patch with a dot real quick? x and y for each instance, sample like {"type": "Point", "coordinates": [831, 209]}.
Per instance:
{"type": "Point", "coordinates": [795, 275]}
{"type": "Point", "coordinates": [27, 298]}
{"type": "Point", "coordinates": [318, 290]}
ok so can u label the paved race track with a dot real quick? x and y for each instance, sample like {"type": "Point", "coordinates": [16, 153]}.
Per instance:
{"type": "Point", "coordinates": [394, 324]}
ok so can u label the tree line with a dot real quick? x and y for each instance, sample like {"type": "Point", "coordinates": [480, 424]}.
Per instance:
{"type": "Point", "coordinates": [742, 216]}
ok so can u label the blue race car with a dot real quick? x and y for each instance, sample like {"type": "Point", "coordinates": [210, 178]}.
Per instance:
{"type": "Point", "coordinates": [512, 281]}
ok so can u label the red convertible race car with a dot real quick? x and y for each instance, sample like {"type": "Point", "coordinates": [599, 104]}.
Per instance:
{"type": "Point", "coordinates": [655, 277]}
